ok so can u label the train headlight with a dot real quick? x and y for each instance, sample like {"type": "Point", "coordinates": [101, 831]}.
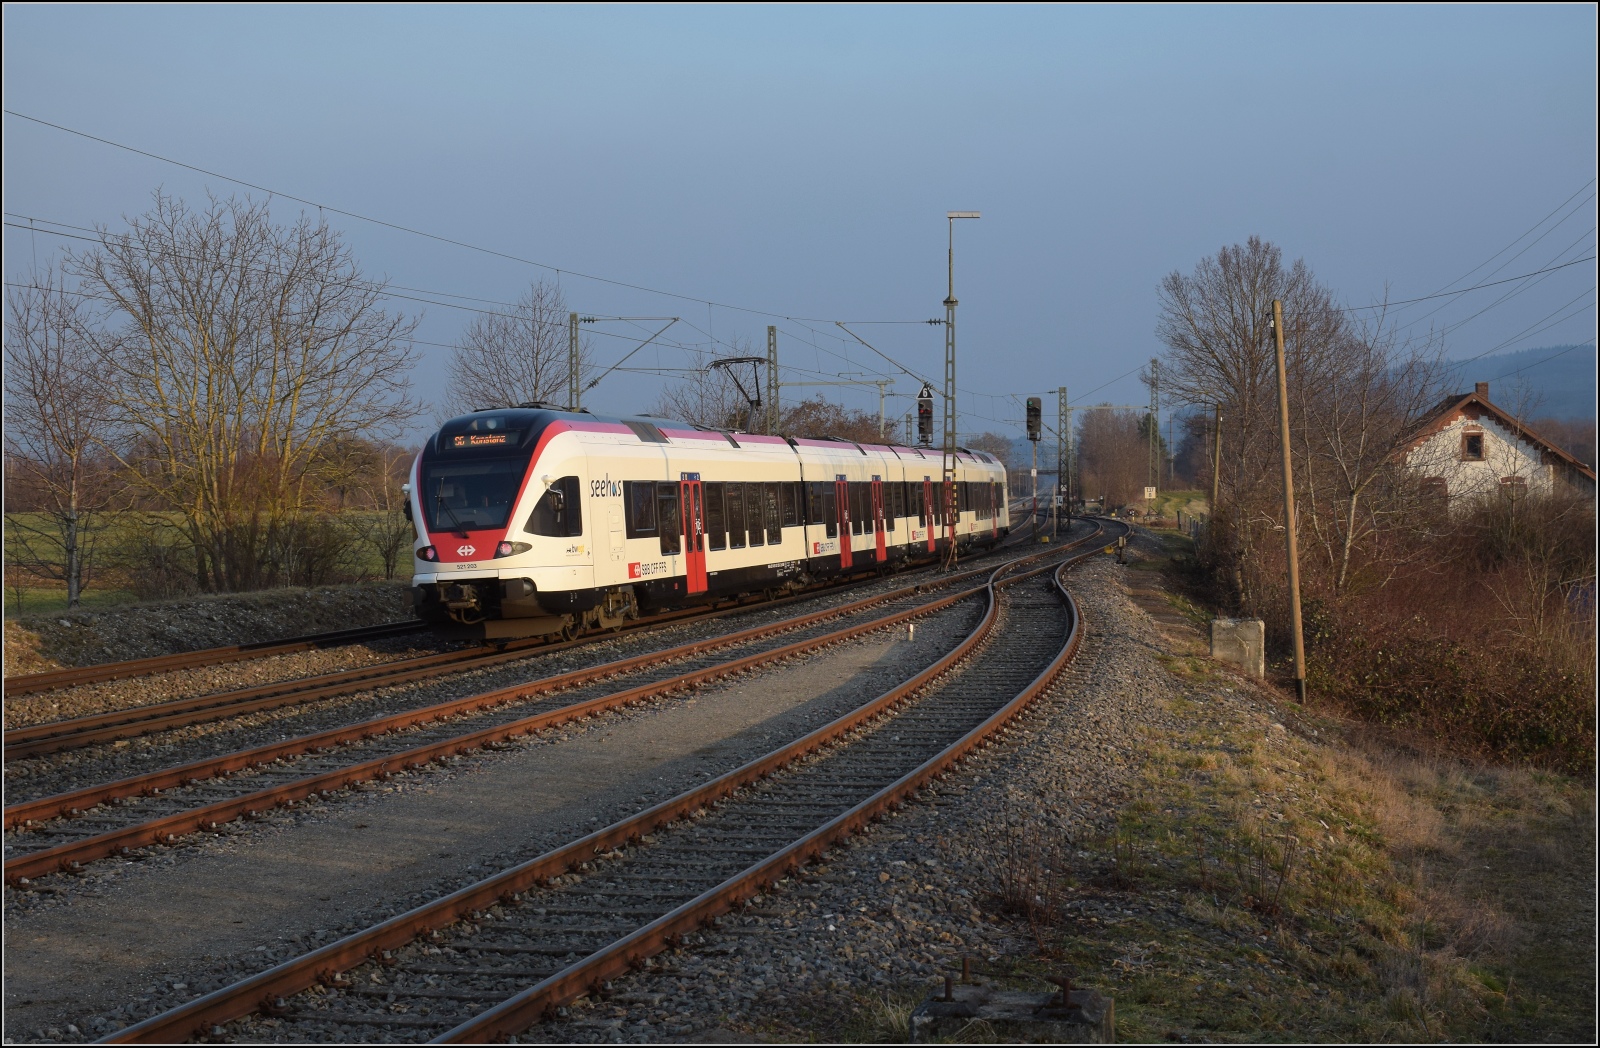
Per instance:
{"type": "Point", "coordinates": [428, 553]}
{"type": "Point", "coordinates": [511, 549]}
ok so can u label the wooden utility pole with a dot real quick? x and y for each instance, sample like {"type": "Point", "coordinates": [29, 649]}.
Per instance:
{"type": "Point", "coordinates": [1288, 508]}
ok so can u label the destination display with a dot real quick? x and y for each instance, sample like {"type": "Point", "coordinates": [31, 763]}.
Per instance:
{"type": "Point", "coordinates": [481, 440]}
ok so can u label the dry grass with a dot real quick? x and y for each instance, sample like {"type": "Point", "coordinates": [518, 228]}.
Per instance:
{"type": "Point", "coordinates": [1311, 890]}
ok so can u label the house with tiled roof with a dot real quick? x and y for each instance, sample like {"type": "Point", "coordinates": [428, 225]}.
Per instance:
{"type": "Point", "coordinates": [1469, 447]}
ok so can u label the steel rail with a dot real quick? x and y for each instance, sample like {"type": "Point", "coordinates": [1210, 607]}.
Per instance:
{"type": "Point", "coordinates": [628, 953]}
{"type": "Point", "coordinates": [326, 963]}
{"type": "Point", "coordinates": [77, 801]}
{"type": "Point", "coordinates": [28, 683]}
{"type": "Point", "coordinates": [169, 828]}
{"type": "Point", "coordinates": [78, 732]}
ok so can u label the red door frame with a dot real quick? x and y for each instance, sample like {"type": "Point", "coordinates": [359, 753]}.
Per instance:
{"type": "Point", "coordinates": [693, 513]}
{"type": "Point", "coordinates": [841, 496]}
{"type": "Point", "coordinates": [877, 519]}
{"type": "Point", "coordinates": [930, 512]}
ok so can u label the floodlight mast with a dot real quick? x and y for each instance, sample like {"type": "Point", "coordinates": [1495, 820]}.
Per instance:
{"type": "Point", "coordinates": [951, 502]}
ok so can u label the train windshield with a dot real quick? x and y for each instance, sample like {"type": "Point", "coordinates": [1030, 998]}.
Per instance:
{"type": "Point", "coordinates": [470, 494]}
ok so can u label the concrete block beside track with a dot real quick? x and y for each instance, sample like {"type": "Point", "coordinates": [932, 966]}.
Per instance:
{"type": "Point", "coordinates": [1242, 642]}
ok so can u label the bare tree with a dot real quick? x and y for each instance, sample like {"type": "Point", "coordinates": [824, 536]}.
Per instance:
{"type": "Point", "coordinates": [820, 419]}
{"type": "Point", "coordinates": [239, 352]}
{"type": "Point", "coordinates": [706, 396]}
{"type": "Point", "coordinates": [1355, 410]}
{"type": "Point", "coordinates": [1215, 324]}
{"type": "Point", "coordinates": [517, 356]}
{"type": "Point", "coordinates": [56, 416]}
{"type": "Point", "coordinates": [379, 522]}
{"type": "Point", "coordinates": [1112, 456]}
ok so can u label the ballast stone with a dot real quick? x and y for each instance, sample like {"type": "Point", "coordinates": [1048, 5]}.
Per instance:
{"type": "Point", "coordinates": [1015, 1016]}
{"type": "Point", "coordinates": [1242, 642]}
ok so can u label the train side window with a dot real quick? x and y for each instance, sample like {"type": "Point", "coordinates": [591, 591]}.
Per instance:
{"type": "Point", "coordinates": [856, 516]}
{"type": "Point", "coordinates": [716, 518]}
{"type": "Point", "coordinates": [736, 523]}
{"type": "Point", "coordinates": [830, 510]}
{"type": "Point", "coordinates": [914, 490]}
{"type": "Point", "coordinates": [814, 514]}
{"type": "Point", "coordinates": [558, 513]}
{"type": "Point", "coordinates": [752, 514]}
{"type": "Point", "coordinates": [640, 496]}
{"type": "Point", "coordinates": [668, 520]}
{"type": "Point", "coordinates": [774, 515]}
{"type": "Point", "coordinates": [892, 493]}
{"type": "Point", "coordinates": [788, 508]}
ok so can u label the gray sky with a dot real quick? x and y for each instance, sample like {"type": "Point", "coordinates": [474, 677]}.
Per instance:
{"type": "Point", "coordinates": [800, 161]}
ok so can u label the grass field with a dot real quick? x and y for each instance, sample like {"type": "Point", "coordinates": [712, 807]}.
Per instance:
{"type": "Point", "coordinates": [118, 551]}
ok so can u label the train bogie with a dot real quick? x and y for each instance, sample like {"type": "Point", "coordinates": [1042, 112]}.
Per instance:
{"type": "Point", "coordinates": [533, 521]}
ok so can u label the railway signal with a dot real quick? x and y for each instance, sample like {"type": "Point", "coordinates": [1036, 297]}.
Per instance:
{"type": "Point", "coordinates": [925, 416]}
{"type": "Point", "coordinates": [1035, 424]}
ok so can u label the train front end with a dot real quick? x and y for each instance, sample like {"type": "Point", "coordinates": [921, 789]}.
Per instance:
{"type": "Point", "coordinates": [500, 550]}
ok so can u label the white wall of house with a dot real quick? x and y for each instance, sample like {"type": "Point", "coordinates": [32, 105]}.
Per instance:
{"type": "Point", "coordinates": [1504, 456]}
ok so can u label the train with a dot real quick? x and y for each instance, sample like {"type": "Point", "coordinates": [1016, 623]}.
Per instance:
{"type": "Point", "coordinates": [539, 521]}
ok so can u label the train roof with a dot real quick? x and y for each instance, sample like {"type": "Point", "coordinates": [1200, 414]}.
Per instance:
{"type": "Point", "coordinates": [522, 425]}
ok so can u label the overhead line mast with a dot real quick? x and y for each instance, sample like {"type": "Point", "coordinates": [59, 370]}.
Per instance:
{"type": "Point", "coordinates": [952, 503]}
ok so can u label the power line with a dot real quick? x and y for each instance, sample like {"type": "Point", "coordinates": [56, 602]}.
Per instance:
{"type": "Point", "coordinates": [419, 232]}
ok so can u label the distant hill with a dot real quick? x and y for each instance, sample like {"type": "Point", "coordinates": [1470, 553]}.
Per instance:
{"type": "Point", "coordinates": [1558, 381]}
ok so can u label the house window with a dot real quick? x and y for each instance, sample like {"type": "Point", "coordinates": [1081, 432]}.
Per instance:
{"type": "Point", "coordinates": [1472, 447]}
{"type": "Point", "coordinates": [1515, 487]}
{"type": "Point", "coordinates": [1435, 490]}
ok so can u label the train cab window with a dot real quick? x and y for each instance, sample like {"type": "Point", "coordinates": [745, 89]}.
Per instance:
{"type": "Point", "coordinates": [774, 515]}
{"type": "Point", "coordinates": [753, 514]}
{"type": "Point", "coordinates": [716, 518]}
{"type": "Point", "coordinates": [558, 513]}
{"type": "Point", "coordinates": [736, 528]}
{"type": "Point", "coordinates": [640, 496]}
{"type": "Point", "coordinates": [830, 511]}
{"type": "Point", "coordinates": [668, 521]}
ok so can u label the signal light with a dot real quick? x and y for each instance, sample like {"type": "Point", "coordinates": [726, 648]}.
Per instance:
{"type": "Point", "coordinates": [428, 553]}
{"type": "Point", "coordinates": [925, 417]}
{"type": "Point", "coordinates": [1034, 421]}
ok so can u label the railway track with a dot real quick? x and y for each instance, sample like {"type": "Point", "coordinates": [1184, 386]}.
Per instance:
{"type": "Point", "coordinates": [30, 683]}
{"type": "Point", "coordinates": [489, 960]}
{"type": "Point", "coordinates": [77, 732]}
{"type": "Point", "coordinates": [64, 831]}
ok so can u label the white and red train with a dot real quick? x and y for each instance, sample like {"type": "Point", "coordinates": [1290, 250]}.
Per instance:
{"type": "Point", "coordinates": [535, 520]}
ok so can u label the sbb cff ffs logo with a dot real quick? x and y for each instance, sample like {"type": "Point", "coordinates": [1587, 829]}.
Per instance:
{"type": "Point", "coordinates": [466, 551]}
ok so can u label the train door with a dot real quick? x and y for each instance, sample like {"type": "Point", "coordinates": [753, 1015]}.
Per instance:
{"type": "Point", "coordinates": [841, 493]}
{"type": "Point", "coordinates": [693, 506]}
{"type": "Point", "coordinates": [930, 512]}
{"type": "Point", "coordinates": [877, 519]}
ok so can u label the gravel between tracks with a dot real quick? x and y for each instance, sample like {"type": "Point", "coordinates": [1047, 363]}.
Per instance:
{"type": "Point", "coordinates": [58, 772]}
{"type": "Point", "coordinates": [122, 925]}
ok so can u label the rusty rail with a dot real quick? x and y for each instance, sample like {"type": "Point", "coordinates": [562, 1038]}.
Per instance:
{"type": "Point", "coordinates": [78, 732]}
{"type": "Point", "coordinates": [28, 683]}
{"type": "Point", "coordinates": [167, 829]}
{"type": "Point", "coordinates": [326, 963]}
